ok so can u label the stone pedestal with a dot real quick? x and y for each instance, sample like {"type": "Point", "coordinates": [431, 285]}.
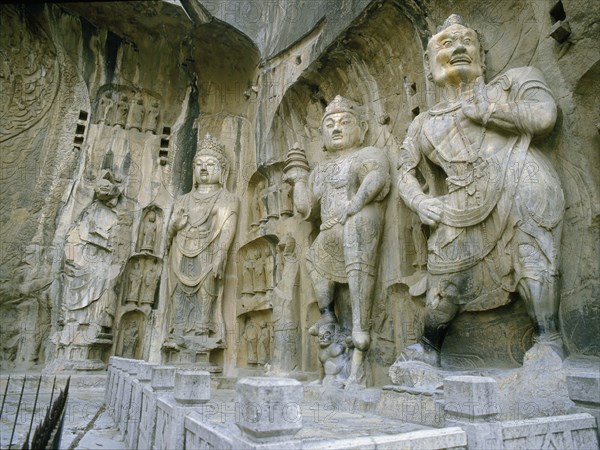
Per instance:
{"type": "Point", "coordinates": [192, 388]}
{"type": "Point", "coordinates": [584, 391]}
{"type": "Point", "coordinates": [471, 402]}
{"type": "Point", "coordinates": [269, 408]}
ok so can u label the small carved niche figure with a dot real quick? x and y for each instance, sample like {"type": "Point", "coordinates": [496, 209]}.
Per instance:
{"type": "Point", "coordinates": [269, 262]}
{"type": "Point", "coordinates": [135, 280]}
{"type": "Point", "coordinates": [152, 115]}
{"type": "Point", "coordinates": [122, 112]}
{"type": "Point", "coordinates": [150, 280]}
{"type": "Point", "coordinates": [333, 355]}
{"type": "Point", "coordinates": [149, 232]}
{"type": "Point", "coordinates": [264, 343]}
{"type": "Point", "coordinates": [130, 339]}
{"type": "Point", "coordinates": [286, 199]}
{"type": "Point", "coordinates": [248, 273]}
{"type": "Point", "coordinates": [259, 206]}
{"type": "Point", "coordinates": [272, 194]}
{"type": "Point", "coordinates": [252, 333]}
{"type": "Point", "coordinates": [279, 262]}
{"type": "Point", "coordinates": [105, 107]}
{"type": "Point", "coordinates": [259, 279]}
{"type": "Point", "coordinates": [136, 114]}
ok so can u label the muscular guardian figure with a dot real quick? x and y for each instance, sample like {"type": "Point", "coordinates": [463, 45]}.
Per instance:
{"type": "Point", "coordinates": [496, 212]}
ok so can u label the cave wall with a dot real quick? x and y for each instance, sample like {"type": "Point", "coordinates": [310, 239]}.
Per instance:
{"type": "Point", "coordinates": [257, 78]}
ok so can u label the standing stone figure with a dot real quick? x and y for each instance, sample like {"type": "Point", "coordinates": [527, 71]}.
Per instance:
{"type": "Point", "coordinates": [259, 280]}
{"type": "Point", "coordinates": [149, 232]}
{"type": "Point", "coordinates": [350, 187]}
{"type": "Point", "coordinates": [152, 117]}
{"type": "Point", "coordinates": [135, 281]}
{"type": "Point", "coordinates": [105, 106]}
{"type": "Point", "coordinates": [248, 273]}
{"type": "Point", "coordinates": [89, 254]}
{"type": "Point", "coordinates": [122, 112]}
{"type": "Point", "coordinates": [202, 228]}
{"type": "Point", "coordinates": [259, 205]}
{"type": "Point", "coordinates": [496, 216]}
{"type": "Point", "coordinates": [136, 114]}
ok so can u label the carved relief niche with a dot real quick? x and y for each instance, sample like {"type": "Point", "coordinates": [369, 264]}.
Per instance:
{"type": "Point", "coordinates": [131, 329]}
{"type": "Point", "coordinates": [148, 239]}
{"type": "Point", "coordinates": [258, 200]}
{"type": "Point", "coordinates": [270, 198]}
{"type": "Point", "coordinates": [139, 281]}
{"type": "Point", "coordinates": [257, 274]}
{"type": "Point", "coordinates": [128, 107]}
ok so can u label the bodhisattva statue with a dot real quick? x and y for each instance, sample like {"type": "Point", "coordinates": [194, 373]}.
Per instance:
{"type": "Point", "coordinates": [496, 224]}
{"type": "Point", "coordinates": [202, 228]}
{"type": "Point", "coordinates": [349, 187]}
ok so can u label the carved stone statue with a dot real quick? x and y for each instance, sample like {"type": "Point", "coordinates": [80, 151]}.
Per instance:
{"type": "Point", "coordinates": [259, 205]}
{"type": "Point", "coordinates": [202, 228]}
{"type": "Point", "coordinates": [259, 280]}
{"type": "Point", "coordinates": [122, 112]}
{"type": "Point", "coordinates": [333, 355]}
{"type": "Point", "coordinates": [272, 194]}
{"type": "Point", "coordinates": [269, 262]}
{"type": "Point", "coordinates": [248, 273]}
{"type": "Point", "coordinates": [350, 187]}
{"type": "Point", "coordinates": [149, 233]}
{"type": "Point", "coordinates": [130, 340]}
{"type": "Point", "coordinates": [285, 327]}
{"type": "Point", "coordinates": [152, 115]}
{"type": "Point", "coordinates": [496, 212]}
{"type": "Point", "coordinates": [105, 107]}
{"type": "Point", "coordinates": [149, 282]}
{"type": "Point", "coordinates": [135, 281]}
{"type": "Point", "coordinates": [264, 343]}
{"type": "Point", "coordinates": [136, 114]}
{"type": "Point", "coordinates": [89, 253]}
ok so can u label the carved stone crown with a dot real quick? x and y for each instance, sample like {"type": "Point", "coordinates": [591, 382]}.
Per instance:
{"type": "Point", "coordinates": [453, 19]}
{"type": "Point", "coordinates": [340, 104]}
{"type": "Point", "coordinates": [211, 147]}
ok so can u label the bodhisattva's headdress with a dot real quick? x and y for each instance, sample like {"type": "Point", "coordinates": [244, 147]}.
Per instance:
{"type": "Point", "coordinates": [340, 104]}
{"type": "Point", "coordinates": [211, 147]}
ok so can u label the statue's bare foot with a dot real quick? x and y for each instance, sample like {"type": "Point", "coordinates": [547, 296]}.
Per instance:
{"type": "Point", "coordinates": [353, 384]}
{"type": "Point", "coordinates": [326, 317]}
{"type": "Point", "coordinates": [553, 341]}
{"type": "Point", "coordinates": [421, 352]}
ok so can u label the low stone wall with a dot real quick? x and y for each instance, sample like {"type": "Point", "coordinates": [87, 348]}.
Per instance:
{"type": "Point", "coordinates": [163, 407]}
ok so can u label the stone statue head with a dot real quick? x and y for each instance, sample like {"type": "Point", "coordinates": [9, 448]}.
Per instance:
{"type": "Point", "coordinates": [454, 54]}
{"type": "Point", "coordinates": [343, 125]}
{"type": "Point", "coordinates": [211, 166]}
{"type": "Point", "coordinates": [106, 189]}
{"type": "Point", "coordinates": [328, 333]}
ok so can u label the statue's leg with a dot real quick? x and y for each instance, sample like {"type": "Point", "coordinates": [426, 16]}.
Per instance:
{"type": "Point", "coordinates": [438, 315]}
{"type": "Point", "coordinates": [324, 290]}
{"type": "Point", "coordinates": [361, 286]}
{"type": "Point", "coordinates": [361, 243]}
{"type": "Point", "coordinates": [541, 301]}
{"type": "Point", "coordinates": [538, 287]}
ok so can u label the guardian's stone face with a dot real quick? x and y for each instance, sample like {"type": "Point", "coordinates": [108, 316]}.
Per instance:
{"type": "Point", "coordinates": [454, 56]}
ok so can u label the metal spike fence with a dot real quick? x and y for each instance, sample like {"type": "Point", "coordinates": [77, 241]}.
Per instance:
{"type": "Point", "coordinates": [48, 429]}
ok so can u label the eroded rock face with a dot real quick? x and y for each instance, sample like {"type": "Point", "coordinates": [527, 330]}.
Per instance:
{"type": "Point", "coordinates": [126, 89]}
